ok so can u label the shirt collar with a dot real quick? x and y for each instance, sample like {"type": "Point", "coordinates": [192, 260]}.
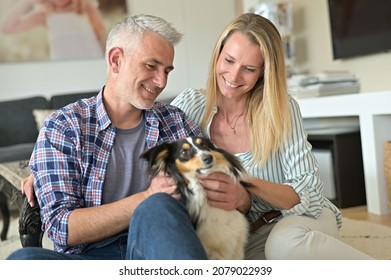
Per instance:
{"type": "Point", "coordinates": [103, 118]}
{"type": "Point", "coordinates": [104, 121]}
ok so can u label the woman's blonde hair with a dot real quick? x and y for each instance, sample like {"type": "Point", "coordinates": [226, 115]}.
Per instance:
{"type": "Point", "coordinates": [268, 107]}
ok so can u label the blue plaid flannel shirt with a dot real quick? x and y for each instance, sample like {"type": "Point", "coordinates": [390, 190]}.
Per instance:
{"type": "Point", "coordinates": [71, 154]}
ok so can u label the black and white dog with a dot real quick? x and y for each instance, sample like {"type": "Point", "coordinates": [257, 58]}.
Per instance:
{"type": "Point", "coordinates": [223, 233]}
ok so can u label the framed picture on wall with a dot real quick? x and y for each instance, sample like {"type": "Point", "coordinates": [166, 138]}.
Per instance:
{"type": "Point", "coordinates": [52, 30]}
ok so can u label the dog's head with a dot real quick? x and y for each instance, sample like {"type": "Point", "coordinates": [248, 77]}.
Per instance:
{"type": "Point", "coordinates": [192, 157]}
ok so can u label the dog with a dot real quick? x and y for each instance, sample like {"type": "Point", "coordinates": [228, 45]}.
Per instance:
{"type": "Point", "coordinates": [223, 233]}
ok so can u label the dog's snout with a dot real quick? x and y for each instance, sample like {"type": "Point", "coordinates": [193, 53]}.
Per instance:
{"type": "Point", "coordinates": [207, 158]}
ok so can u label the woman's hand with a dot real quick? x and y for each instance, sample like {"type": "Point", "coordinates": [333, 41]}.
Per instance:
{"type": "Point", "coordinates": [224, 193]}
{"type": "Point", "coordinates": [27, 188]}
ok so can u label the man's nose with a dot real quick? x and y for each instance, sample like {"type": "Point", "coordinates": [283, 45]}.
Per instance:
{"type": "Point", "coordinates": [160, 79]}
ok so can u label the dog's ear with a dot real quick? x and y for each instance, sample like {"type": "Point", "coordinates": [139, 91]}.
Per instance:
{"type": "Point", "coordinates": [156, 157]}
{"type": "Point", "coordinates": [236, 166]}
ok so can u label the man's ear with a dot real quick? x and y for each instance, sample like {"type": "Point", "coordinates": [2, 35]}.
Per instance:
{"type": "Point", "coordinates": [114, 56]}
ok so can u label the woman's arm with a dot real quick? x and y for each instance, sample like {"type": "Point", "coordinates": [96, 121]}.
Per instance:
{"type": "Point", "coordinates": [279, 195]}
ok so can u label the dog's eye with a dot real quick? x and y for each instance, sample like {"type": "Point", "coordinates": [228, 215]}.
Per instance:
{"type": "Point", "coordinates": [185, 153]}
{"type": "Point", "coordinates": [206, 145]}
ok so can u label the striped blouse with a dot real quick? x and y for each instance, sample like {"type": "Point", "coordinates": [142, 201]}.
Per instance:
{"type": "Point", "coordinates": [293, 164]}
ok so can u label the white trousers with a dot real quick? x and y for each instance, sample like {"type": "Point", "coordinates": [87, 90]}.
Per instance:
{"type": "Point", "coordinates": [301, 238]}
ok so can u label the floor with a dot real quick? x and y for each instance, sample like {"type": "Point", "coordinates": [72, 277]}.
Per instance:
{"type": "Point", "coordinates": [357, 213]}
{"type": "Point", "coordinates": [361, 213]}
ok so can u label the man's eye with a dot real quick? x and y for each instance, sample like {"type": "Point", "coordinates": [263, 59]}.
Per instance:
{"type": "Point", "coordinates": [151, 66]}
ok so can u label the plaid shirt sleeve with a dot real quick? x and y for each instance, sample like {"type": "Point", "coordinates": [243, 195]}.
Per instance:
{"type": "Point", "coordinates": [54, 165]}
{"type": "Point", "coordinates": [68, 161]}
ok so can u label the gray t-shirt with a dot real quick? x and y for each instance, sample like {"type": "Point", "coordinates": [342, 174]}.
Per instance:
{"type": "Point", "coordinates": [126, 171]}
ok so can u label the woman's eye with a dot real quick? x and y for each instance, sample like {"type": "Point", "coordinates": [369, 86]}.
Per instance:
{"type": "Point", "coordinates": [229, 60]}
{"type": "Point", "coordinates": [250, 69]}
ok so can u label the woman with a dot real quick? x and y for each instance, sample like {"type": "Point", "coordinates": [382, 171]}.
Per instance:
{"type": "Point", "coordinates": [246, 110]}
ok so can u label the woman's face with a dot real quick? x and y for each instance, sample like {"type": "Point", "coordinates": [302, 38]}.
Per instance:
{"type": "Point", "coordinates": [238, 66]}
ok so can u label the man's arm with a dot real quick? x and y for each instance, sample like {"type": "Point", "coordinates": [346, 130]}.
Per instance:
{"type": "Point", "coordinates": [87, 225]}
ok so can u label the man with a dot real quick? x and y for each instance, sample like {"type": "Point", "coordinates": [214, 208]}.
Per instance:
{"type": "Point", "coordinates": [88, 177]}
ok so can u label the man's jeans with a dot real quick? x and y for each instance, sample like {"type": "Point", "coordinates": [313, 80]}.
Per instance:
{"type": "Point", "coordinates": [160, 229]}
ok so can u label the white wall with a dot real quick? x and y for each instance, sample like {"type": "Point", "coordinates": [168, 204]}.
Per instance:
{"type": "Point", "coordinates": [314, 48]}
{"type": "Point", "coordinates": [201, 22]}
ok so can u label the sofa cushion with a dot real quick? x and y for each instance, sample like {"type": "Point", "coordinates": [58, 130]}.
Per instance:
{"type": "Point", "coordinates": [59, 101]}
{"type": "Point", "coordinates": [40, 116]}
{"type": "Point", "coordinates": [16, 152]}
{"type": "Point", "coordinates": [17, 123]}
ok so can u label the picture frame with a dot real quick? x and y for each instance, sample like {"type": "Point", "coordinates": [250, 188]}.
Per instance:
{"type": "Point", "coordinates": [43, 30]}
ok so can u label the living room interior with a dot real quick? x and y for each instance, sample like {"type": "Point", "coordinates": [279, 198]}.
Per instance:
{"type": "Point", "coordinates": [201, 22]}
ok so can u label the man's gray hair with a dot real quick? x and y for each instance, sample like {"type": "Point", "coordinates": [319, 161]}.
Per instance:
{"type": "Point", "coordinates": [126, 32]}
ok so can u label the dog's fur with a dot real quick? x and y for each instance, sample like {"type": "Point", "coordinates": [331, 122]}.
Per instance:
{"type": "Point", "coordinates": [223, 233]}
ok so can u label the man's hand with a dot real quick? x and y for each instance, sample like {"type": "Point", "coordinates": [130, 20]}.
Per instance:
{"type": "Point", "coordinates": [163, 183]}
{"type": "Point", "coordinates": [27, 188]}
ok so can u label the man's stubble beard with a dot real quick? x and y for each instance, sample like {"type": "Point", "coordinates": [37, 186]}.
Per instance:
{"type": "Point", "coordinates": [131, 97]}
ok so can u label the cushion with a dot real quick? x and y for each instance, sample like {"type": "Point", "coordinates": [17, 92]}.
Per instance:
{"type": "Point", "coordinates": [59, 101]}
{"type": "Point", "coordinates": [16, 152]}
{"type": "Point", "coordinates": [40, 116]}
{"type": "Point", "coordinates": [17, 123]}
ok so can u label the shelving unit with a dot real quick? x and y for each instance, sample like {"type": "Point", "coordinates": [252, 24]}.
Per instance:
{"type": "Point", "coordinates": [343, 174]}
{"type": "Point", "coordinates": [374, 113]}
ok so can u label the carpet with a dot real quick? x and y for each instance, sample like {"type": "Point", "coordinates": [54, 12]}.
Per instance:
{"type": "Point", "coordinates": [370, 238]}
